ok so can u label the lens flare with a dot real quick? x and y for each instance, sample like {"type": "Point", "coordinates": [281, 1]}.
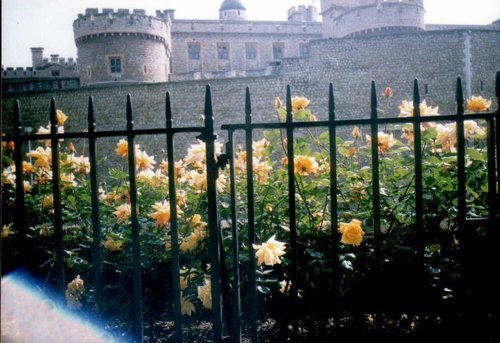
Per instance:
{"type": "Point", "coordinates": [29, 315]}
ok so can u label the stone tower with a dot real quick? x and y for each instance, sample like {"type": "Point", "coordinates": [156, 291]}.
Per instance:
{"type": "Point", "coordinates": [344, 18]}
{"type": "Point", "coordinates": [123, 46]}
{"type": "Point", "coordinates": [232, 10]}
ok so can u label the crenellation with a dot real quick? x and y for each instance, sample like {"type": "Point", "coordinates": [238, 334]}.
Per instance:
{"type": "Point", "coordinates": [91, 11]}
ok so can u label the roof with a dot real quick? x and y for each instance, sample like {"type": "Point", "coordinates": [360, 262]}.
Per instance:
{"type": "Point", "coordinates": [232, 5]}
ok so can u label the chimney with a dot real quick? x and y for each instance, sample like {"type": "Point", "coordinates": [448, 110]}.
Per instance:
{"type": "Point", "coordinates": [54, 58]}
{"type": "Point", "coordinates": [37, 57]}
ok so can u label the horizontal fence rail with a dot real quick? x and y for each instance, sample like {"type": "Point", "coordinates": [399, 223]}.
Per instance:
{"type": "Point", "coordinates": [226, 285]}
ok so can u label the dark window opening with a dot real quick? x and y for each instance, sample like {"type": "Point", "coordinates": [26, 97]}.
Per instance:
{"type": "Point", "coordinates": [194, 51]}
{"type": "Point", "coordinates": [304, 50]}
{"type": "Point", "coordinates": [55, 73]}
{"type": "Point", "coordinates": [115, 64]}
{"type": "Point", "coordinates": [278, 51]}
{"type": "Point", "coordinates": [251, 52]}
{"type": "Point", "coordinates": [222, 52]}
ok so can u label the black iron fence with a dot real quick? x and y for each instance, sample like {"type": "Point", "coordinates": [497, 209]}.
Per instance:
{"type": "Point", "coordinates": [227, 305]}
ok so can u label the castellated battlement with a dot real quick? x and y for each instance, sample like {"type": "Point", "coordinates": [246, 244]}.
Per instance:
{"type": "Point", "coordinates": [380, 16]}
{"type": "Point", "coordinates": [108, 22]}
{"type": "Point", "coordinates": [302, 13]}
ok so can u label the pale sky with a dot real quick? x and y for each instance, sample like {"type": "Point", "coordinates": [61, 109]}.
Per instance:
{"type": "Point", "coordinates": [48, 23]}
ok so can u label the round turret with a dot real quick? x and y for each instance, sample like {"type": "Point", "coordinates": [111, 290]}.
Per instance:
{"type": "Point", "coordinates": [232, 10]}
{"type": "Point", "coordinates": [345, 18]}
{"type": "Point", "coordinates": [123, 46]}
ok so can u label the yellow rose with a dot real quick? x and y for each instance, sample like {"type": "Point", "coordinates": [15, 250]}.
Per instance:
{"type": "Point", "coordinates": [478, 104]}
{"type": "Point", "coordinates": [352, 233]}
{"type": "Point", "coordinates": [269, 252]}
{"type": "Point", "coordinates": [299, 103]}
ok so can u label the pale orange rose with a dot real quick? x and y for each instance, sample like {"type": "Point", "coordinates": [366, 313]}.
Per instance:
{"type": "Point", "coordinates": [352, 233]}
{"type": "Point", "coordinates": [478, 104]}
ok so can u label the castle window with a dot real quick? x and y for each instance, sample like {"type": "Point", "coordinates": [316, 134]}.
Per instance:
{"type": "Point", "coordinates": [115, 65]}
{"type": "Point", "coordinates": [222, 52]}
{"type": "Point", "coordinates": [304, 50]}
{"type": "Point", "coordinates": [145, 69]}
{"type": "Point", "coordinates": [194, 51]}
{"type": "Point", "coordinates": [251, 51]}
{"type": "Point", "coordinates": [55, 73]}
{"type": "Point", "coordinates": [278, 49]}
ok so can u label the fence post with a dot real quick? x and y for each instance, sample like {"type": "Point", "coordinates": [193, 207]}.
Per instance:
{"type": "Point", "coordinates": [236, 333]}
{"type": "Point", "coordinates": [19, 218]}
{"type": "Point", "coordinates": [251, 217]}
{"type": "Point", "coordinates": [497, 120]}
{"type": "Point", "coordinates": [292, 210]}
{"type": "Point", "coordinates": [94, 191]}
{"type": "Point", "coordinates": [417, 146]}
{"type": "Point", "coordinates": [332, 130]}
{"type": "Point", "coordinates": [136, 252]}
{"type": "Point", "coordinates": [56, 191]}
{"type": "Point", "coordinates": [375, 172]}
{"type": "Point", "coordinates": [213, 220]}
{"type": "Point", "coordinates": [173, 223]}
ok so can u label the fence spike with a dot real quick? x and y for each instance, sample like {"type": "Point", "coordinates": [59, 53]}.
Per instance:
{"type": "Point", "coordinates": [460, 97]}
{"type": "Point", "coordinates": [331, 103]}
{"type": "Point", "coordinates": [373, 101]}
{"type": "Point", "coordinates": [91, 115]}
{"type": "Point", "coordinates": [289, 114]}
{"type": "Point", "coordinates": [248, 106]}
{"type": "Point", "coordinates": [168, 111]}
{"type": "Point", "coordinates": [130, 121]}
{"type": "Point", "coordinates": [416, 99]}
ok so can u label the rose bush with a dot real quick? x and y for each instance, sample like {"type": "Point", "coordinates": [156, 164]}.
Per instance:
{"type": "Point", "coordinates": [387, 264]}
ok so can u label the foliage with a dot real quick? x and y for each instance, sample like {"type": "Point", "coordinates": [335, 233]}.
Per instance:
{"type": "Point", "coordinates": [385, 262]}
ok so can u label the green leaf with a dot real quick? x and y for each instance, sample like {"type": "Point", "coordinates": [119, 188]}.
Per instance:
{"type": "Point", "coordinates": [429, 133]}
{"type": "Point", "coordinates": [477, 155]}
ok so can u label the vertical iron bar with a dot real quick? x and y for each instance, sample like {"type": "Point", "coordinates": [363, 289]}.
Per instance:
{"type": "Point", "coordinates": [497, 121]}
{"type": "Point", "coordinates": [333, 198]}
{"type": "Point", "coordinates": [461, 194]}
{"type": "Point", "coordinates": [236, 334]}
{"type": "Point", "coordinates": [492, 193]}
{"type": "Point", "coordinates": [419, 207]}
{"type": "Point", "coordinates": [251, 216]}
{"type": "Point", "coordinates": [56, 190]}
{"type": "Point", "coordinates": [213, 221]}
{"type": "Point", "coordinates": [19, 218]}
{"type": "Point", "coordinates": [173, 222]}
{"type": "Point", "coordinates": [94, 191]}
{"type": "Point", "coordinates": [136, 253]}
{"type": "Point", "coordinates": [292, 209]}
{"type": "Point", "coordinates": [375, 172]}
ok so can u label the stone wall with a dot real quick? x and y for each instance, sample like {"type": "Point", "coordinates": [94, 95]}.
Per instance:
{"type": "Point", "coordinates": [435, 58]}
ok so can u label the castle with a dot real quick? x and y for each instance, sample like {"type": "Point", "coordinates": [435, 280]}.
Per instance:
{"type": "Point", "coordinates": [124, 52]}
{"type": "Point", "coordinates": [126, 46]}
